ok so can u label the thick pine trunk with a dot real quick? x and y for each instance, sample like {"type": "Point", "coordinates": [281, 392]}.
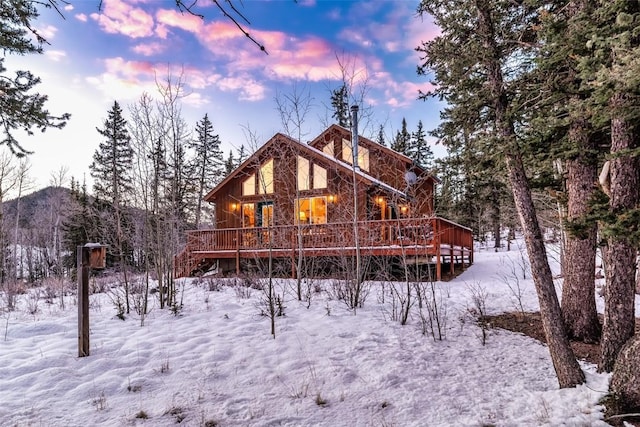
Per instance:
{"type": "Point", "coordinates": [619, 295]}
{"type": "Point", "coordinates": [578, 293]}
{"type": "Point", "coordinates": [566, 366]}
{"type": "Point", "coordinates": [564, 361]}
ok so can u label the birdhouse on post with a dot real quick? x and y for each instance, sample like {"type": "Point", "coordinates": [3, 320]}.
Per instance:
{"type": "Point", "coordinates": [89, 256]}
{"type": "Point", "coordinates": [97, 255]}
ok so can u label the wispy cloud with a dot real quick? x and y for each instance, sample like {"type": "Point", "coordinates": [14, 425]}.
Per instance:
{"type": "Point", "coordinates": [250, 89]}
{"type": "Point", "coordinates": [118, 17]}
{"type": "Point", "coordinates": [149, 49]}
{"type": "Point", "coordinates": [183, 21]}
{"type": "Point", "coordinates": [48, 31]}
{"type": "Point", "coordinates": [55, 55]}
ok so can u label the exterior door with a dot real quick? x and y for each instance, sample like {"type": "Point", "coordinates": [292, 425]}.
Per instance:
{"type": "Point", "coordinates": [265, 219]}
{"type": "Point", "coordinates": [265, 214]}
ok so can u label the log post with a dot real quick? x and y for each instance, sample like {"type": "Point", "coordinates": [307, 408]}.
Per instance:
{"type": "Point", "coordinates": [83, 301]}
{"type": "Point", "coordinates": [91, 255]}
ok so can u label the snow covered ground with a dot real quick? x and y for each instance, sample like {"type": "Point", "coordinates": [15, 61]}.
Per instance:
{"type": "Point", "coordinates": [216, 364]}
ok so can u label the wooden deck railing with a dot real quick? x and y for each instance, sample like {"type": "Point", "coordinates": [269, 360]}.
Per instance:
{"type": "Point", "coordinates": [435, 232]}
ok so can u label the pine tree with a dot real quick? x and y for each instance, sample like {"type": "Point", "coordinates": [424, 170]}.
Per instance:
{"type": "Point", "coordinates": [611, 67]}
{"type": "Point", "coordinates": [474, 73]}
{"type": "Point", "coordinates": [111, 166]}
{"type": "Point", "coordinates": [419, 149]}
{"type": "Point", "coordinates": [565, 119]}
{"type": "Point", "coordinates": [381, 138]}
{"type": "Point", "coordinates": [229, 164]}
{"type": "Point", "coordinates": [242, 155]}
{"type": "Point", "coordinates": [340, 104]}
{"type": "Point", "coordinates": [113, 184]}
{"type": "Point", "coordinates": [208, 161]}
{"type": "Point", "coordinates": [21, 110]}
{"type": "Point", "coordinates": [79, 227]}
{"type": "Point", "coordinates": [402, 140]}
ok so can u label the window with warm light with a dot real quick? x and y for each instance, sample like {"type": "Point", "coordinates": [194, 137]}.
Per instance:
{"type": "Point", "coordinates": [311, 210]}
{"type": "Point", "coordinates": [328, 149]}
{"type": "Point", "coordinates": [319, 177]}
{"type": "Point", "coordinates": [266, 178]}
{"type": "Point", "coordinates": [363, 154]}
{"type": "Point", "coordinates": [347, 153]}
{"type": "Point", "coordinates": [248, 215]}
{"type": "Point", "coordinates": [303, 174]}
{"type": "Point", "coordinates": [267, 215]}
{"type": "Point", "coordinates": [249, 186]}
{"type": "Point", "coordinates": [363, 158]}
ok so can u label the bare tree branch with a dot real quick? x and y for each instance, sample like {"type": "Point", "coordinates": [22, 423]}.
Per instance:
{"type": "Point", "coordinates": [227, 14]}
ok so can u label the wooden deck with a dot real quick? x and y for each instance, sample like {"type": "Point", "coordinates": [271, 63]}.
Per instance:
{"type": "Point", "coordinates": [438, 239]}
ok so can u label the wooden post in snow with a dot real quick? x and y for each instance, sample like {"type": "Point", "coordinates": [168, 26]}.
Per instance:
{"type": "Point", "coordinates": [91, 255]}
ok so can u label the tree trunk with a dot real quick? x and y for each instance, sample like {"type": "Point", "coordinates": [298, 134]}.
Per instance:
{"type": "Point", "coordinates": [564, 361]}
{"type": "Point", "coordinates": [495, 217]}
{"type": "Point", "coordinates": [625, 381]}
{"type": "Point", "coordinates": [566, 366]}
{"type": "Point", "coordinates": [578, 293]}
{"type": "Point", "coordinates": [620, 254]}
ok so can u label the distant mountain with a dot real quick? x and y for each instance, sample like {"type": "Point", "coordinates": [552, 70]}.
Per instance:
{"type": "Point", "coordinates": [33, 204]}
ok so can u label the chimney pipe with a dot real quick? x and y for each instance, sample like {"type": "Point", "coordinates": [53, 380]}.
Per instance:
{"type": "Point", "coordinates": [354, 135]}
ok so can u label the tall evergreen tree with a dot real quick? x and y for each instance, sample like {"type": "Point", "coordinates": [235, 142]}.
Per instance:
{"type": "Point", "coordinates": [419, 149]}
{"type": "Point", "coordinates": [381, 138]}
{"type": "Point", "coordinates": [340, 105]}
{"type": "Point", "coordinates": [208, 162]}
{"type": "Point", "coordinates": [111, 166]}
{"type": "Point", "coordinates": [229, 164]}
{"type": "Point", "coordinates": [566, 120]}
{"type": "Point", "coordinates": [402, 140]}
{"type": "Point", "coordinates": [20, 109]}
{"type": "Point", "coordinates": [472, 60]}
{"type": "Point", "coordinates": [79, 227]}
{"type": "Point", "coordinates": [113, 184]}
{"type": "Point", "coordinates": [242, 155]}
{"type": "Point", "coordinates": [613, 70]}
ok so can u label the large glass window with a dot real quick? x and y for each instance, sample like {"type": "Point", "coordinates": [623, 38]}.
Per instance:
{"type": "Point", "coordinates": [303, 174]}
{"type": "Point", "coordinates": [265, 184]}
{"type": "Point", "coordinates": [363, 158]}
{"type": "Point", "coordinates": [248, 215]}
{"type": "Point", "coordinates": [311, 210]}
{"type": "Point", "coordinates": [347, 154]}
{"type": "Point", "coordinates": [266, 215]}
{"type": "Point", "coordinates": [328, 149]}
{"type": "Point", "coordinates": [249, 186]}
{"type": "Point", "coordinates": [363, 154]}
{"type": "Point", "coordinates": [319, 177]}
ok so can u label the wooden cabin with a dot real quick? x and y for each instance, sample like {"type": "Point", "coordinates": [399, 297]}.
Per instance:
{"type": "Point", "coordinates": [290, 200]}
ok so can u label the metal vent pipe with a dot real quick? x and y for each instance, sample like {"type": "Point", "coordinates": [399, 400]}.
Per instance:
{"type": "Point", "coordinates": [354, 135]}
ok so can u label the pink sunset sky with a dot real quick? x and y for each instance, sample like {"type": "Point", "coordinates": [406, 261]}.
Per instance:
{"type": "Point", "coordinates": [115, 50]}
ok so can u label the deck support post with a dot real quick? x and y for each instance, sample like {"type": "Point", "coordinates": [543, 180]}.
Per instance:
{"type": "Point", "coordinates": [452, 268]}
{"type": "Point", "coordinates": [237, 252]}
{"type": "Point", "coordinates": [293, 255]}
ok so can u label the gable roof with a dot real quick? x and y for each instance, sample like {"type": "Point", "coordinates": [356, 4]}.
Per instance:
{"type": "Point", "coordinates": [408, 161]}
{"type": "Point", "coordinates": [309, 150]}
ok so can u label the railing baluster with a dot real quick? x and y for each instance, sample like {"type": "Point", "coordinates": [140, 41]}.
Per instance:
{"type": "Point", "coordinates": [418, 232]}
